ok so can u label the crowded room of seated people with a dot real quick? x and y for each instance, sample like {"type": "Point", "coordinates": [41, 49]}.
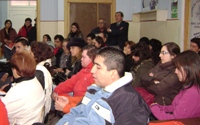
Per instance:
{"type": "Point", "coordinates": [102, 78]}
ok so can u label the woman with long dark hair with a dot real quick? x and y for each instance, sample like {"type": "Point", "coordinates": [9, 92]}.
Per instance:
{"type": "Point", "coordinates": [75, 31]}
{"type": "Point", "coordinates": [187, 103]}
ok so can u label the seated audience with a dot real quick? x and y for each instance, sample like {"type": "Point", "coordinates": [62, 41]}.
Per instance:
{"type": "Point", "coordinates": [155, 47]}
{"type": "Point", "coordinates": [58, 40]}
{"type": "Point", "coordinates": [195, 45]}
{"type": "Point", "coordinates": [7, 38]}
{"type": "Point", "coordinates": [76, 47]}
{"type": "Point", "coordinates": [75, 31]}
{"type": "Point", "coordinates": [162, 81]}
{"type": "Point", "coordinates": [101, 27]}
{"type": "Point", "coordinates": [23, 31]}
{"type": "Point", "coordinates": [42, 54]}
{"type": "Point", "coordinates": [47, 39]}
{"type": "Point", "coordinates": [25, 99]}
{"type": "Point", "coordinates": [142, 62]}
{"type": "Point", "coordinates": [187, 103]}
{"type": "Point", "coordinates": [3, 114]}
{"type": "Point", "coordinates": [22, 44]}
{"type": "Point", "coordinates": [98, 42]}
{"type": "Point", "coordinates": [127, 51]}
{"type": "Point", "coordinates": [112, 100]}
{"type": "Point", "coordinates": [77, 84]}
{"type": "Point", "coordinates": [89, 38]}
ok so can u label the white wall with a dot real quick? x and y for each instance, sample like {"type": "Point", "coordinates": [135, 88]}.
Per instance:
{"type": "Point", "coordinates": [3, 13]}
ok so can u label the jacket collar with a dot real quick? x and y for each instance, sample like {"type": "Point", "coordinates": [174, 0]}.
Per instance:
{"type": "Point", "coordinates": [119, 83]}
{"type": "Point", "coordinates": [17, 80]}
{"type": "Point", "coordinates": [89, 66]}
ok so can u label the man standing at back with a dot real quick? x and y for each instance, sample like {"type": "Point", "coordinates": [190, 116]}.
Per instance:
{"type": "Point", "coordinates": [112, 100]}
{"type": "Point", "coordinates": [118, 31]}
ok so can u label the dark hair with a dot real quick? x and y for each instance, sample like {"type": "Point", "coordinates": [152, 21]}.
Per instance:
{"type": "Point", "coordinates": [172, 48]}
{"type": "Point", "coordinates": [41, 51]}
{"type": "Point", "coordinates": [24, 64]}
{"type": "Point", "coordinates": [121, 13]}
{"type": "Point", "coordinates": [60, 37]}
{"type": "Point", "coordinates": [91, 35]}
{"type": "Point", "coordinates": [156, 45]}
{"type": "Point", "coordinates": [91, 51]}
{"type": "Point", "coordinates": [196, 40]}
{"type": "Point", "coordinates": [99, 41]}
{"type": "Point", "coordinates": [28, 19]}
{"type": "Point", "coordinates": [141, 50]}
{"type": "Point", "coordinates": [114, 58]}
{"type": "Point", "coordinates": [144, 39]}
{"type": "Point", "coordinates": [48, 37]}
{"type": "Point", "coordinates": [8, 21]}
{"type": "Point", "coordinates": [104, 34]}
{"type": "Point", "coordinates": [78, 28]}
{"type": "Point", "coordinates": [189, 61]}
{"type": "Point", "coordinates": [24, 41]}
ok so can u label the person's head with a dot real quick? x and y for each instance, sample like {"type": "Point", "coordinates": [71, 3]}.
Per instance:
{"type": "Point", "coordinates": [23, 65]}
{"type": "Point", "coordinates": [108, 66]}
{"type": "Point", "coordinates": [41, 51]}
{"type": "Point", "coordinates": [145, 40]}
{"type": "Point", "coordinates": [75, 27]}
{"type": "Point", "coordinates": [76, 46]}
{"type": "Point", "coordinates": [21, 45]}
{"type": "Point", "coordinates": [140, 52]}
{"type": "Point", "coordinates": [88, 55]}
{"type": "Point", "coordinates": [155, 45]}
{"type": "Point", "coordinates": [127, 47]}
{"type": "Point", "coordinates": [169, 52]}
{"type": "Point", "coordinates": [8, 24]}
{"type": "Point", "coordinates": [101, 23]}
{"type": "Point", "coordinates": [58, 39]}
{"type": "Point", "coordinates": [90, 37]}
{"type": "Point", "coordinates": [46, 38]}
{"type": "Point", "coordinates": [187, 68]}
{"type": "Point", "coordinates": [103, 36]}
{"type": "Point", "coordinates": [98, 42]}
{"type": "Point", "coordinates": [64, 46]}
{"type": "Point", "coordinates": [119, 16]}
{"type": "Point", "coordinates": [195, 45]}
{"type": "Point", "coordinates": [28, 22]}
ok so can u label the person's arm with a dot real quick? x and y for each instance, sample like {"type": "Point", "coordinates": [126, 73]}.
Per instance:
{"type": "Point", "coordinates": [167, 83]}
{"type": "Point", "coordinates": [3, 115]}
{"type": "Point", "coordinates": [185, 107]}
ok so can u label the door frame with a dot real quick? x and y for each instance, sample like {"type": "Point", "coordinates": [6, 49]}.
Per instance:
{"type": "Point", "coordinates": [187, 15]}
{"type": "Point", "coordinates": [67, 11]}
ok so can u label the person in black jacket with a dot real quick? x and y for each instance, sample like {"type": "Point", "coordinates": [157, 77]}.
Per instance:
{"type": "Point", "coordinates": [118, 31]}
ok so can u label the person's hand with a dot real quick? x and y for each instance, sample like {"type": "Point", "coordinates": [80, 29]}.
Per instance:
{"type": "Point", "coordinates": [156, 81]}
{"type": "Point", "coordinates": [59, 70]}
{"type": "Point", "coordinates": [121, 28]}
{"type": "Point", "coordinates": [54, 96]}
{"type": "Point", "coordinates": [5, 40]}
{"type": "Point", "coordinates": [60, 103]}
{"type": "Point", "coordinates": [151, 74]}
{"type": "Point", "coordinates": [3, 87]}
{"type": "Point", "coordinates": [4, 77]}
{"type": "Point", "coordinates": [67, 72]}
{"type": "Point", "coordinates": [109, 30]}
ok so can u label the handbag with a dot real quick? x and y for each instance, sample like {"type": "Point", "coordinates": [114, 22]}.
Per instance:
{"type": "Point", "coordinates": [148, 97]}
{"type": "Point", "coordinates": [59, 77]}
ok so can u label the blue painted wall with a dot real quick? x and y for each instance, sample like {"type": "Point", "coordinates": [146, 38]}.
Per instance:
{"type": "Point", "coordinates": [3, 13]}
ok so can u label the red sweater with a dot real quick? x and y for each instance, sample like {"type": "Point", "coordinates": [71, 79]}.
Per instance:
{"type": "Point", "coordinates": [3, 115]}
{"type": "Point", "coordinates": [23, 31]}
{"type": "Point", "coordinates": [78, 85]}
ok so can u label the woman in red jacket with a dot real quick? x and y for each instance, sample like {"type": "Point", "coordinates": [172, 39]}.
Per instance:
{"type": "Point", "coordinates": [77, 84]}
{"type": "Point", "coordinates": [3, 115]}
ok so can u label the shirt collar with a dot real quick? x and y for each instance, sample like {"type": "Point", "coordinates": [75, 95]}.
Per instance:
{"type": "Point", "coordinates": [119, 83]}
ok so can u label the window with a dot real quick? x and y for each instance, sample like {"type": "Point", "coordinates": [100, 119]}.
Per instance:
{"type": "Point", "coordinates": [23, 3]}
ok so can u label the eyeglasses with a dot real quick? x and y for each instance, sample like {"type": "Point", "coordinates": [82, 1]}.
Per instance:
{"type": "Point", "coordinates": [164, 53]}
{"type": "Point", "coordinates": [100, 22]}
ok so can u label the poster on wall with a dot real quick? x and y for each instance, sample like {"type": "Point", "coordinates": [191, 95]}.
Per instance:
{"type": "Point", "coordinates": [195, 19]}
{"type": "Point", "coordinates": [149, 5]}
{"type": "Point", "coordinates": [174, 8]}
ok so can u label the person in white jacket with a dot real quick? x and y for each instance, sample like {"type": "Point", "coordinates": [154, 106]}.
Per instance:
{"type": "Point", "coordinates": [25, 99]}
